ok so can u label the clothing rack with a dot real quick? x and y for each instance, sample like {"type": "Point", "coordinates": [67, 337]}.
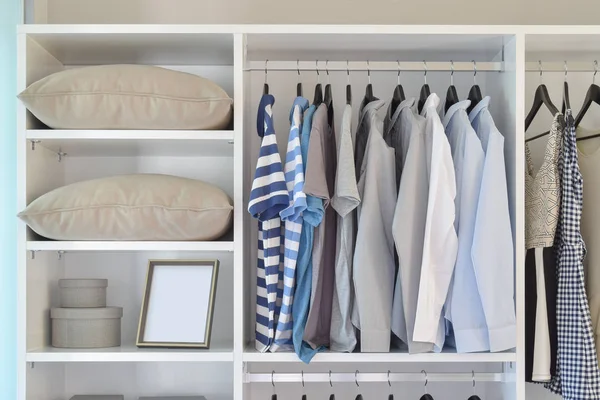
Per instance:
{"type": "Point", "coordinates": [422, 66]}
{"type": "Point", "coordinates": [561, 66]}
{"type": "Point", "coordinates": [359, 377]}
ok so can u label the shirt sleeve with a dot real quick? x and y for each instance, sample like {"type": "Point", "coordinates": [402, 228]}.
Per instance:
{"type": "Point", "coordinates": [315, 181]}
{"type": "Point", "coordinates": [294, 172]}
{"type": "Point", "coordinates": [440, 243]}
{"type": "Point", "coordinates": [269, 193]}
{"type": "Point", "coordinates": [493, 252]}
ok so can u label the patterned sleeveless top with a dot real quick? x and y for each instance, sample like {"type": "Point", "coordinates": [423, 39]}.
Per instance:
{"type": "Point", "coordinates": [543, 191]}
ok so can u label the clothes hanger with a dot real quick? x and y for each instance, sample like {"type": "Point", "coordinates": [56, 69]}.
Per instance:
{"type": "Point", "coordinates": [565, 103]}
{"type": "Point", "coordinates": [425, 91]}
{"type": "Point", "coordinates": [592, 96]}
{"type": "Point", "coordinates": [318, 99]}
{"type": "Point", "coordinates": [303, 391]}
{"type": "Point", "coordinates": [299, 85]}
{"type": "Point", "coordinates": [474, 396]}
{"type": "Point", "coordinates": [359, 395]}
{"type": "Point", "coordinates": [328, 97]}
{"type": "Point", "coordinates": [451, 94]}
{"type": "Point", "coordinates": [398, 96]}
{"type": "Point", "coordinates": [332, 395]}
{"type": "Point", "coordinates": [348, 87]}
{"type": "Point", "coordinates": [391, 395]}
{"type": "Point", "coordinates": [426, 396]}
{"type": "Point", "coordinates": [274, 395]}
{"type": "Point", "coordinates": [369, 97]}
{"type": "Point", "coordinates": [266, 85]}
{"type": "Point", "coordinates": [541, 98]}
{"type": "Point", "coordinates": [475, 92]}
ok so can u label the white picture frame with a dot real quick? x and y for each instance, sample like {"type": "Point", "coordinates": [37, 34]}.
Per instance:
{"type": "Point", "coordinates": [178, 304]}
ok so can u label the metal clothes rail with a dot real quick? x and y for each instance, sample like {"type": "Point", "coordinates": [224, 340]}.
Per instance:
{"type": "Point", "coordinates": [347, 66]}
{"type": "Point", "coordinates": [359, 377]}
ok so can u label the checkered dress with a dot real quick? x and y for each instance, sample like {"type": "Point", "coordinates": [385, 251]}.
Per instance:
{"type": "Point", "coordinates": [577, 375]}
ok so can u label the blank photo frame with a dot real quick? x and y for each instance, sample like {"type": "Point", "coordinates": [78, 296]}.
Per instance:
{"type": "Point", "coordinates": [178, 304]}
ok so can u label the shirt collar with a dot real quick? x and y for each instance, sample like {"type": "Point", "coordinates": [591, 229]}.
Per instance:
{"type": "Point", "coordinates": [265, 101]}
{"type": "Point", "coordinates": [483, 104]}
{"type": "Point", "coordinates": [433, 100]}
{"type": "Point", "coordinates": [407, 103]}
{"type": "Point", "coordinates": [300, 102]}
{"type": "Point", "coordinates": [461, 105]}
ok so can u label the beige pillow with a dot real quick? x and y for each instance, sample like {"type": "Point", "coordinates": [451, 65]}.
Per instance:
{"type": "Point", "coordinates": [132, 207]}
{"type": "Point", "coordinates": [127, 97]}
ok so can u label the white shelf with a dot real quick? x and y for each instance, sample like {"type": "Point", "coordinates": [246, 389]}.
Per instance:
{"type": "Point", "coordinates": [47, 245]}
{"type": "Point", "coordinates": [131, 143]}
{"type": "Point", "coordinates": [251, 355]}
{"type": "Point", "coordinates": [130, 354]}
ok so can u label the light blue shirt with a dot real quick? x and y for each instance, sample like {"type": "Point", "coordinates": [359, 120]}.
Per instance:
{"type": "Point", "coordinates": [463, 304]}
{"type": "Point", "coordinates": [493, 250]}
{"type": "Point", "coordinates": [312, 216]}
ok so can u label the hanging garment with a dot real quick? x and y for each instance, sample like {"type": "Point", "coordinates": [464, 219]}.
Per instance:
{"type": "Point", "coordinates": [320, 182]}
{"type": "Point", "coordinates": [292, 217]}
{"type": "Point", "coordinates": [542, 205]}
{"type": "Point", "coordinates": [493, 249]}
{"type": "Point", "coordinates": [374, 265]}
{"type": "Point", "coordinates": [268, 197]}
{"type": "Point", "coordinates": [589, 164]}
{"type": "Point", "coordinates": [362, 136]}
{"type": "Point", "coordinates": [392, 134]}
{"type": "Point", "coordinates": [440, 243]}
{"type": "Point", "coordinates": [311, 218]}
{"type": "Point", "coordinates": [463, 304]}
{"type": "Point", "coordinates": [408, 225]}
{"type": "Point", "coordinates": [345, 200]}
{"type": "Point", "coordinates": [577, 376]}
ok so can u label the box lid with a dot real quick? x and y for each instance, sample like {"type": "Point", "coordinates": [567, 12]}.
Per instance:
{"type": "Point", "coordinates": [82, 283]}
{"type": "Point", "coordinates": [86, 313]}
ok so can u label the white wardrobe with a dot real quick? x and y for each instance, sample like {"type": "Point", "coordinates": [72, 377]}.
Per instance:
{"type": "Point", "coordinates": [234, 57]}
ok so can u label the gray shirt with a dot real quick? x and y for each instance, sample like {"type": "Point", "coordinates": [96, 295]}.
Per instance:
{"type": "Point", "coordinates": [345, 200]}
{"type": "Point", "coordinates": [374, 265]}
{"type": "Point", "coordinates": [321, 166]}
{"type": "Point", "coordinates": [409, 226]}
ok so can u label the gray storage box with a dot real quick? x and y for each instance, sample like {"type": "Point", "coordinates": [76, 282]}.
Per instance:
{"type": "Point", "coordinates": [82, 293]}
{"type": "Point", "coordinates": [174, 398]}
{"type": "Point", "coordinates": [86, 327]}
{"type": "Point", "coordinates": [97, 397]}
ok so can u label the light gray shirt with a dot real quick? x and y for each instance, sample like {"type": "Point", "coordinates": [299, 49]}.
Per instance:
{"type": "Point", "coordinates": [345, 200]}
{"type": "Point", "coordinates": [408, 227]}
{"type": "Point", "coordinates": [374, 265]}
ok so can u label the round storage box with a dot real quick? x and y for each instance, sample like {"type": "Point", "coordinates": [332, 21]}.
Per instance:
{"type": "Point", "coordinates": [82, 293]}
{"type": "Point", "coordinates": [86, 327]}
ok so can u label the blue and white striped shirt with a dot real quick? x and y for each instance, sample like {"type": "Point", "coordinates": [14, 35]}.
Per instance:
{"type": "Point", "coordinates": [268, 197]}
{"type": "Point", "coordinates": [292, 215]}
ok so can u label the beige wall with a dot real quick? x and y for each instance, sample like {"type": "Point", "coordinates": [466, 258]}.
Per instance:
{"type": "Point", "coordinates": [476, 12]}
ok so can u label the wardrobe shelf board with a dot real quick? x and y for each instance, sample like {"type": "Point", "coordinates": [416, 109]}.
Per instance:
{"type": "Point", "coordinates": [47, 245]}
{"type": "Point", "coordinates": [131, 143]}
{"type": "Point", "coordinates": [251, 355]}
{"type": "Point", "coordinates": [131, 353]}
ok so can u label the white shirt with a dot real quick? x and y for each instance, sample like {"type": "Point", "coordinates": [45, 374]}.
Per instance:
{"type": "Point", "coordinates": [463, 304]}
{"type": "Point", "coordinates": [408, 226]}
{"type": "Point", "coordinates": [493, 250]}
{"type": "Point", "coordinates": [440, 242]}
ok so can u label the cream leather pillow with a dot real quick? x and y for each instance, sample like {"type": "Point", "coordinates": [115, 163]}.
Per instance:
{"type": "Point", "coordinates": [127, 97]}
{"type": "Point", "coordinates": [132, 207]}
